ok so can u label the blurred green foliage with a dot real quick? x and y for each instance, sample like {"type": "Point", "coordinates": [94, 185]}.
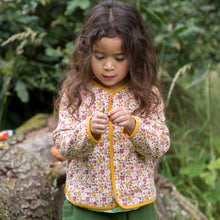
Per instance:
{"type": "Point", "coordinates": [36, 42]}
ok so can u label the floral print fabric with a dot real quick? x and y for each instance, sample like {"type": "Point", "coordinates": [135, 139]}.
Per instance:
{"type": "Point", "coordinates": [117, 169]}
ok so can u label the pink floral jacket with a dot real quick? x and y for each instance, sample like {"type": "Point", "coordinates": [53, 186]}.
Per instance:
{"type": "Point", "coordinates": [116, 170]}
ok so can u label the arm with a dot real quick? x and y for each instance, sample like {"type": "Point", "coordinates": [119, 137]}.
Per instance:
{"type": "Point", "coordinates": [71, 137]}
{"type": "Point", "coordinates": [151, 135]}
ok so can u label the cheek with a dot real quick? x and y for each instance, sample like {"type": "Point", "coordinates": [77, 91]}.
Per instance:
{"type": "Point", "coordinates": [93, 64]}
{"type": "Point", "coordinates": [96, 68]}
{"type": "Point", "coordinates": [125, 68]}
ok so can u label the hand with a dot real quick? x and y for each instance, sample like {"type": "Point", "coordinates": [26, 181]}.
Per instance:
{"type": "Point", "coordinates": [98, 125]}
{"type": "Point", "coordinates": [122, 117]}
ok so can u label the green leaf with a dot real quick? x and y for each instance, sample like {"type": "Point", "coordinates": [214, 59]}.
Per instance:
{"type": "Point", "coordinates": [178, 30]}
{"type": "Point", "coordinates": [73, 5]}
{"type": "Point", "coordinates": [21, 91]}
{"type": "Point", "coordinates": [153, 14]}
{"type": "Point", "coordinates": [213, 194]}
{"type": "Point", "coordinates": [216, 165]}
{"type": "Point", "coordinates": [56, 53]}
{"type": "Point", "coordinates": [159, 38]}
{"type": "Point", "coordinates": [27, 19]}
{"type": "Point", "coordinates": [193, 169]}
{"type": "Point", "coordinates": [189, 31]}
{"type": "Point", "coordinates": [209, 177]}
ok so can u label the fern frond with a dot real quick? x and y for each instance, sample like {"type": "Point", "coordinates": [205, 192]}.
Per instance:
{"type": "Point", "coordinates": [29, 33]}
{"type": "Point", "coordinates": [26, 37]}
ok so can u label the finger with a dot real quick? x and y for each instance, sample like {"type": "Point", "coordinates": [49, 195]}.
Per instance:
{"type": "Point", "coordinates": [100, 122]}
{"type": "Point", "coordinates": [123, 123]}
{"type": "Point", "coordinates": [114, 111]}
{"type": "Point", "coordinates": [119, 117]}
{"type": "Point", "coordinates": [117, 114]}
{"type": "Point", "coordinates": [102, 116]}
{"type": "Point", "coordinates": [118, 121]}
{"type": "Point", "coordinates": [98, 128]}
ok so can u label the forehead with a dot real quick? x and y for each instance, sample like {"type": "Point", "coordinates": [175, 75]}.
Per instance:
{"type": "Point", "coordinates": [110, 45]}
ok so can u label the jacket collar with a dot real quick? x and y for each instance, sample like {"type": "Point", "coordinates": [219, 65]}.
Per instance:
{"type": "Point", "coordinates": [110, 90]}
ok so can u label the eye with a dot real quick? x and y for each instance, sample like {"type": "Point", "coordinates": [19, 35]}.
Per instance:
{"type": "Point", "coordinates": [99, 57]}
{"type": "Point", "coordinates": [120, 59]}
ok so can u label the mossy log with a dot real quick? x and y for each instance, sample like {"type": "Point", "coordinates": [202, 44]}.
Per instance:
{"type": "Point", "coordinates": [29, 187]}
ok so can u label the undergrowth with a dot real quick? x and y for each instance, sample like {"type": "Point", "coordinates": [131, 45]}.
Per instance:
{"type": "Point", "coordinates": [193, 163]}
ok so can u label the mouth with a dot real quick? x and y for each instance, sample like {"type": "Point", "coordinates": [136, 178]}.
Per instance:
{"type": "Point", "coordinates": [108, 77]}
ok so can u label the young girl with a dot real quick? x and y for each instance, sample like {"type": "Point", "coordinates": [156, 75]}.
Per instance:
{"type": "Point", "coordinates": [111, 118]}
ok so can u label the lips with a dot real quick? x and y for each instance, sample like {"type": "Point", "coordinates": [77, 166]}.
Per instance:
{"type": "Point", "coordinates": [109, 77]}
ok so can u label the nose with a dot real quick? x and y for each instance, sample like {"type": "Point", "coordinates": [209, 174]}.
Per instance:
{"type": "Point", "coordinates": [108, 65]}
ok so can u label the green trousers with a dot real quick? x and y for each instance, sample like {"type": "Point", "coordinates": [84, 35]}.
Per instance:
{"type": "Point", "coordinates": [72, 212]}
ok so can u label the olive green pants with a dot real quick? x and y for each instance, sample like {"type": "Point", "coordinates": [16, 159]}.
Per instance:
{"type": "Point", "coordinates": [72, 212]}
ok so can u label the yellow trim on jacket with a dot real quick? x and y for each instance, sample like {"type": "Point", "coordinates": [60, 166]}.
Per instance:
{"type": "Point", "coordinates": [89, 132]}
{"type": "Point", "coordinates": [111, 151]}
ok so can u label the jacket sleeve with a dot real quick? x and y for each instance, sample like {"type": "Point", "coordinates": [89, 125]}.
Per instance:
{"type": "Point", "coordinates": [151, 135]}
{"type": "Point", "coordinates": [72, 137]}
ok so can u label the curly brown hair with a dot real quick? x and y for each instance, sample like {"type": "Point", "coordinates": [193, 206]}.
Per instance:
{"type": "Point", "coordinates": [114, 19]}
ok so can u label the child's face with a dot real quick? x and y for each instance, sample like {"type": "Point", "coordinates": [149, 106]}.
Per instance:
{"type": "Point", "coordinates": [109, 63]}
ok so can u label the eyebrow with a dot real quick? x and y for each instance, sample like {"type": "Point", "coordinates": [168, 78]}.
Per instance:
{"type": "Point", "coordinates": [117, 54]}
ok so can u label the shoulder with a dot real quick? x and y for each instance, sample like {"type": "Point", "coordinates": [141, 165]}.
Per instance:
{"type": "Point", "coordinates": [156, 93]}
{"type": "Point", "coordinates": [157, 98]}
{"type": "Point", "coordinates": [156, 90]}
{"type": "Point", "coordinates": [64, 99]}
